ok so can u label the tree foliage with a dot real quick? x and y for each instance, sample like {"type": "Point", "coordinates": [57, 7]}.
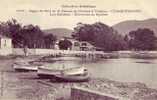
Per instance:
{"type": "Point", "coordinates": [64, 44]}
{"type": "Point", "coordinates": [28, 35]}
{"type": "Point", "coordinates": [49, 39]}
{"type": "Point", "coordinates": [100, 35]}
{"type": "Point", "coordinates": [142, 39]}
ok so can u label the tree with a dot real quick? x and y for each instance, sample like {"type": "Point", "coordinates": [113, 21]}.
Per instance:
{"type": "Point", "coordinates": [4, 29]}
{"type": "Point", "coordinates": [14, 28]}
{"type": "Point", "coordinates": [142, 39]}
{"type": "Point", "coordinates": [64, 44]}
{"type": "Point", "coordinates": [49, 40]}
{"type": "Point", "coordinates": [100, 35]}
{"type": "Point", "coordinates": [30, 36]}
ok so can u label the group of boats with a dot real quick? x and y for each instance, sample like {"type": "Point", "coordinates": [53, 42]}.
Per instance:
{"type": "Point", "coordinates": [59, 74]}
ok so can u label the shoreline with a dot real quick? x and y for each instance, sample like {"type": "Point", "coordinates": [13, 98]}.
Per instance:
{"type": "Point", "coordinates": [27, 86]}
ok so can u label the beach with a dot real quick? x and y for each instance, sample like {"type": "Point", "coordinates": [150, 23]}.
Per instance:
{"type": "Point", "coordinates": [27, 86]}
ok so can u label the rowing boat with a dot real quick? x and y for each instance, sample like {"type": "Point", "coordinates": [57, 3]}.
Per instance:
{"type": "Point", "coordinates": [45, 72]}
{"type": "Point", "coordinates": [69, 74]}
{"type": "Point", "coordinates": [25, 67]}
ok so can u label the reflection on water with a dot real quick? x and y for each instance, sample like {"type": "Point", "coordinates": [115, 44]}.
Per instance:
{"type": "Point", "coordinates": [121, 69]}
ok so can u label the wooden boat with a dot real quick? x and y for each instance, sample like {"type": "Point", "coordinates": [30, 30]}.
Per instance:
{"type": "Point", "coordinates": [24, 67]}
{"type": "Point", "coordinates": [26, 64]}
{"type": "Point", "coordinates": [44, 72]}
{"type": "Point", "coordinates": [73, 77]}
{"type": "Point", "coordinates": [74, 71]}
{"type": "Point", "coordinates": [71, 74]}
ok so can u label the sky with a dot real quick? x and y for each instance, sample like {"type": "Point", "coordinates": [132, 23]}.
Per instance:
{"type": "Point", "coordinates": [14, 9]}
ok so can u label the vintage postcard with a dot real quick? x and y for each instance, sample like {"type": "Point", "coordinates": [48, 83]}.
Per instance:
{"type": "Point", "coordinates": [78, 50]}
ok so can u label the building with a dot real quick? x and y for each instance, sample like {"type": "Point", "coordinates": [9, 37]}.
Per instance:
{"type": "Point", "coordinates": [5, 45]}
{"type": "Point", "coordinates": [78, 45]}
{"type": "Point", "coordinates": [5, 42]}
{"type": "Point", "coordinates": [86, 46]}
{"type": "Point", "coordinates": [81, 45]}
{"type": "Point", "coordinates": [75, 45]}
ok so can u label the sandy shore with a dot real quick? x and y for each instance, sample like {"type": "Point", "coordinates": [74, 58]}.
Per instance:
{"type": "Point", "coordinates": [27, 86]}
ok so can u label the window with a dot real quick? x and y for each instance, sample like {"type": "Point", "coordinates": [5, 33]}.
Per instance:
{"type": "Point", "coordinates": [76, 44]}
{"type": "Point", "coordinates": [84, 44]}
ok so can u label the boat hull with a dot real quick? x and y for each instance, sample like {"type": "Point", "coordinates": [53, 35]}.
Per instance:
{"type": "Point", "coordinates": [47, 73]}
{"type": "Point", "coordinates": [25, 67]}
{"type": "Point", "coordinates": [73, 78]}
{"type": "Point", "coordinates": [46, 76]}
{"type": "Point", "coordinates": [71, 75]}
{"type": "Point", "coordinates": [74, 71]}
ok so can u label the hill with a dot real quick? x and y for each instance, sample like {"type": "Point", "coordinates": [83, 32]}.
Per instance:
{"type": "Point", "coordinates": [126, 26]}
{"type": "Point", "coordinates": [59, 32]}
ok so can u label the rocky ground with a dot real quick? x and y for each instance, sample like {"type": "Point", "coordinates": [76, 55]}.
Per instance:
{"type": "Point", "coordinates": [27, 86]}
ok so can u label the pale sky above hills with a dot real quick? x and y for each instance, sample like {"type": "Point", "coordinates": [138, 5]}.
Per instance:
{"type": "Point", "coordinates": [8, 10]}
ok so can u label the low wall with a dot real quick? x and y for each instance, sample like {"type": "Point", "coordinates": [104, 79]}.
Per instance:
{"type": "Point", "coordinates": [20, 51]}
{"type": "Point", "coordinates": [6, 51]}
{"type": "Point", "coordinates": [79, 93]}
{"type": "Point", "coordinates": [37, 51]}
{"type": "Point", "coordinates": [46, 51]}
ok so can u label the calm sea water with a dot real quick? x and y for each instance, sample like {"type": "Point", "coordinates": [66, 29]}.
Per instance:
{"type": "Point", "coordinates": [121, 69]}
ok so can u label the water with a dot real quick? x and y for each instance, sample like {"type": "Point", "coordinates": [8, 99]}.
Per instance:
{"type": "Point", "coordinates": [121, 69]}
{"type": "Point", "coordinates": [126, 70]}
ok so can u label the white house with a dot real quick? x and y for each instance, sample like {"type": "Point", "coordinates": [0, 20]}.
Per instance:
{"type": "Point", "coordinates": [5, 45]}
{"type": "Point", "coordinates": [78, 45]}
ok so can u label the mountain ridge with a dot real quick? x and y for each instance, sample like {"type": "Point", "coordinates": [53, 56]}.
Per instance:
{"type": "Point", "coordinates": [125, 27]}
{"type": "Point", "coordinates": [59, 32]}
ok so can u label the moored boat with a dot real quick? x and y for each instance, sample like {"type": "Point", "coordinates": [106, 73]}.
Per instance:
{"type": "Point", "coordinates": [73, 77]}
{"type": "Point", "coordinates": [74, 71]}
{"type": "Point", "coordinates": [69, 74]}
{"type": "Point", "coordinates": [25, 67]}
{"type": "Point", "coordinates": [24, 64]}
{"type": "Point", "coordinates": [45, 72]}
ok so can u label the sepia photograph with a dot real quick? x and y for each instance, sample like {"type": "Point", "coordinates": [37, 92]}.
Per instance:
{"type": "Point", "coordinates": [78, 50]}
